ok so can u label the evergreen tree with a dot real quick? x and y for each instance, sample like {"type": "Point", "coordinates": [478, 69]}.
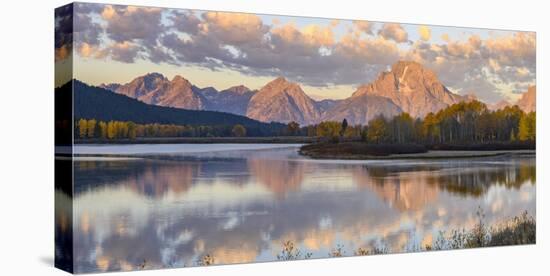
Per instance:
{"type": "Point", "coordinates": [344, 127]}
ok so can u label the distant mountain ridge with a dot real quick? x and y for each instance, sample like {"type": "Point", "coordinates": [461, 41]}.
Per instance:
{"type": "Point", "coordinates": [154, 88]}
{"type": "Point", "coordinates": [232, 100]}
{"type": "Point", "coordinates": [406, 87]}
{"type": "Point", "coordinates": [499, 105]}
{"type": "Point", "coordinates": [283, 101]}
{"type": "Point", "coordinates": [412, 87]}
{"type": "Point", "coordinates": [362, 109]}
{"type": "Point", "coordinates": [527, 101]}
{"type": "Point", "coordinates": [92, 102]}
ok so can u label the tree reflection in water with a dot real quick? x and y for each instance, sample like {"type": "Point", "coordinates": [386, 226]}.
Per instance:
{"type": "Point", "coordinates": [172, 212]}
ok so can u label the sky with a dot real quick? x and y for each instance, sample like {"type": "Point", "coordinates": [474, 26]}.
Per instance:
{"type": "Point", "coordinates": [329, 58]}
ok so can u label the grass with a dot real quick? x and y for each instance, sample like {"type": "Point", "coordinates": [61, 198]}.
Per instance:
{"type": "Point", "coordinates": [376, 250]}
{"type": "Point", "coordinates": [518, 230]}
{"type": "Point", "coordinates": [338, 251]}
{"type": "Point", "coordinates": [515, 231]}
{"type": "Point", "coordinates": [291, 252]}
{"type": "Point", "coordinates": [206, 260]}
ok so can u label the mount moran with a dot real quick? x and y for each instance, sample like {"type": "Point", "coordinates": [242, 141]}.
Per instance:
{"type": "Point", "coordinates": [407, 87]}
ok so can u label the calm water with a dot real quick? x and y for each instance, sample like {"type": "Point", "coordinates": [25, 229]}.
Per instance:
{"type": "Point", "coordinates": [239, 203]}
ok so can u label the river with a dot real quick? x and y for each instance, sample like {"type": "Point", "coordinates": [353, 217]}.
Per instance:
{"type": "Point", "coordinates": [157, 206]}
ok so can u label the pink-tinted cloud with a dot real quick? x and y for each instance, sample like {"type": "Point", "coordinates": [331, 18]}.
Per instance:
{"type": "Point", "coordinates": [312, 54]}
{"type": "Point", "coordinates": [395, 32]}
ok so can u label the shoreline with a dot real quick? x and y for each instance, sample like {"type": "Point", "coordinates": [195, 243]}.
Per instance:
{"type": "Point", "coordinates": [432, 154]}
{"type": "Point", "coordinates": [315, 155]}
{"type": "Point", "coordinates": [364, 151]}
{"type": "Point", "coordinates": [203, 140]}
{"type": "Point", "coordinates": [148, 150]}
{"type": "Point", "coordinates": [439, 154]}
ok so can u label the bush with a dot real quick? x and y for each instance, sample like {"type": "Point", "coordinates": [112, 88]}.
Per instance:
{"type": "Point", "coordinates": [518, 230]}
{"type": "Point", "coordinates": [291, 252]}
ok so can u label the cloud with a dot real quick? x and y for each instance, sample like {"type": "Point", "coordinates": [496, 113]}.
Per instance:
{"type": "Point", "coordinates": [86, 31]}
{"type": "Point", "coordinates": [459, 65]}
{"type": "Point", "coordinates": [214, 39]}
{"type": "Point", "coordinates": [317, 35]}
{"type": "Point", "coordinates": [468, 50]}
{"type": "Point", "coordinates": [233, 28]}
{"type": "Point", "coordinates": [312, 54]}
{"type": "Point", "coordinates": [62, 53]}
{"type": "Point", "coordinates": [334, 23]}
{"type": "Point", "coordinates": [509, 74]}
{"type": "Point", "coordinates": [512, 58]}
{"type": "Point", "coordinates": [108, 12]}
{"type": "Point", "coordinates": [185, 21]}
{"type": "Point", "coordinates": [395, 32]}
{"type": "Point", "coordinates": [311, 36]}
{"type": "Point", "coordinates": [480, 66]}
{"type": "Point", "coordinates": [201, 50]}
{"type": "Point", "coordinates": [479, 84]}
{"type": "Point", "coordinates": [124, 33]}
{"type": "Point", "coordinates": [517, 50]}
{"type": "Point", "coordinates": [124, 51]}
{"type": "Point", "coordinates": [425, 32]}
{"type": "Point", "coordinates": [363, 26]}
{"type": "Point", "coordinates": [63, 32]}
{"type": "Point", "coordinates": [375, 50]}
{"type": "Point", "coordinates": [133, 23]}
{"type": "Point", "coordinates": [86, 50]}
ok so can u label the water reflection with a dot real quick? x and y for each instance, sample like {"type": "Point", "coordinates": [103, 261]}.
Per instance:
{"type": "Point", "coordinates": [278, 176]}
{"type": "Point", "coordinates": [168, 212]}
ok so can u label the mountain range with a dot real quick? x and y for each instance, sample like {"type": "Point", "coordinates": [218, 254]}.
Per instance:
{"type": "Point", "coordinates": [407, 87]}
{"type": "Point", "coordinates": [413, 88]}
{"type": "Point", "coordinates": [527, 101]}
{"type": "Point", "coordinates": [104, 105]}
{"type": "Point", "coordinates": [156, 89]}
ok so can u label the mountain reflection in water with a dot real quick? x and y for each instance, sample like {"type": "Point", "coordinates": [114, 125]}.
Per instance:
{"type": "Point", "coordinates": [241, 206]}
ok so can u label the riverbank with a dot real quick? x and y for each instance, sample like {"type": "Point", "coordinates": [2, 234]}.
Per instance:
{"type": "Point", "coordinates": [364, 151]}
{"type": "Point", "coordinates": [205, 140]}
{"type": "Point", "coordinates": [519, 230]}
{"type": "Point", "coordinates": [170, 150]}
